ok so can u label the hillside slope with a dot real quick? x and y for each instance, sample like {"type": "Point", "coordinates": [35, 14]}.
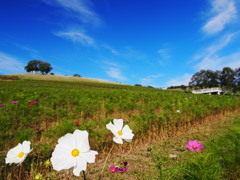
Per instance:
{"type": "Point", "coordinates": [55, 78]}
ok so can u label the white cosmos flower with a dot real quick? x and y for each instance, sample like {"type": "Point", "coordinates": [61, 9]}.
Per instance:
{"type": "Point", "coordinates": [119, 131]}
{"type": "Point", "coordinates": [19, 153]}
{"type": "Point", "coordinates": [73, 150]}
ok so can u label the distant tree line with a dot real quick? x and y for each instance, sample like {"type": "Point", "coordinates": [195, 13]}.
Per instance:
{"type": "Point", "coordinates": [76, 75]}
{"type": "Point", "coordinates": [183, 87]}
{"type": "Point", "coordinates": [227, 79]}
{"type": "Point", "coordinates": [38, 65]}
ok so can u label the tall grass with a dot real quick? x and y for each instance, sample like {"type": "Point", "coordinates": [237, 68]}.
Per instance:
{"type": "Point", "coordinates": [220, 158]}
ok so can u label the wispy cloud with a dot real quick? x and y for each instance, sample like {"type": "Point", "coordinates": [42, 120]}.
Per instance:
{"type": "Point", "coordinates": [215, 47]}
{"type": "Point", "coordinates": [132, 54]}
{"type": "Point", "coordinates": [113, 69]}
{"type": "Point", "coordinates": [180, 80]}
{"type": "Point", "coordinates": [151, 80]}
{"type": "Point", "coordinates": [10, 65]}
{"type": "Point", "coordinates": [25, 48]}
{"type": "Point", "coordinates": [111, 49]}
{"type": "Point", "coordinates": [77, 36]}
{"type": "Point", "coordinates": [115, 73]}
{"type": "Point", "coordinates": [164, 53]}
{"type": "Point", "coordinates": [80, 9]}
{"type": "Point", "coordinates": [222, 13]}
{"type": "Point", "coordinates": [217, 63]}
{"type": "Point", "coordinates": [210, 57]}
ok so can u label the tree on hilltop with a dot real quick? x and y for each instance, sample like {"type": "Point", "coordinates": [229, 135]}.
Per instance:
{"type": "Point", "coordinates": [38, 65]}
{"type": "Point", "coordinates": [45, 67]}
{"type": "Point", "coordinates": [227, 77]}
{"type": "Point", "coordinates": [76, 75]}
{"type": "Point", "coordinates": [32, 65]}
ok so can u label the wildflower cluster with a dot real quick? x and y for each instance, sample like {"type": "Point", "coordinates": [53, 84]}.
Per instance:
{"type": "Point", "coordinates": [31, 103]}
{"type": "Point", "coordinates": [115, 169]}
{"type": "Point", "coordinates": [73, 150]}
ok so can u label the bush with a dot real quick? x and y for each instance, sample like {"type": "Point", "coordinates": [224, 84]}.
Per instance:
{"type": "Point", "coordinates": [6, 77]}
{"type": "Point", "coordinates": [76, 75]}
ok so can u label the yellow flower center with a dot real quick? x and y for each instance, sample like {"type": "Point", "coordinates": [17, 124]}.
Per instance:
{"type": "Point", "coordinates": [21, 154]}
{"type": "Point", "coordinates": [194, 147]}
{"type": "Point", "coordinates": [75, 152]}
{"type": "Point", "coordinates": [120, 133]}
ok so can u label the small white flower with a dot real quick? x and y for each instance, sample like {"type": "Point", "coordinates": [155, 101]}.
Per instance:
{"type": "Point", "coordinates": [178, 111]}
{"type": "Point", "coordinates": [73, 150]}
{"type": "Point", "coordinates": [119, 131]}
{"type": "Point", "coordinates": [19, 153]}
{"type": "Point", "coordinates": [172, 155]}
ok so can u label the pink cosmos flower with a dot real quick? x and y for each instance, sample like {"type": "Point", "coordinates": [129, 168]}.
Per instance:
{"type": "Point", "coordinates": [14, 102]}
{"type": "Point", "coordinates": [122, 169]}
{"type": "Point", "coordinates": [2, 105]}
{"type": "Point", "coordinates": [194, 146]}
{"type": "Point", "coordinates": [113, 169]}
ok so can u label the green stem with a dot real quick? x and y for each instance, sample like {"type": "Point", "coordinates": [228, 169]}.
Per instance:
{"type": "Point", "coordinates": [106, 161]}
{"type": "Point", "coordinates": [84, 175]}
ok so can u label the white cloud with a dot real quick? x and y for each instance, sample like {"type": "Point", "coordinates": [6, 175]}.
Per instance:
{"type": "Point", "coordinates": [164, 53]}
{"type": "Point", "coordinates": [215, 47]}
{"type": "Point", "coordinates": [115, 73]}
{"type": "Point", "coordinates": [111, 49]}
{"type": "Point", "coordinates": [178, 81]}
{"type": "Point", "coordinates": [223, 12]}
{"type": "Point", "coordinates": [78, 8]}
{"type": "Point", "coordinates": [77, 36]}
{"type": "Point", "coordinates": [110, 63]}
{"type": "Point", "coordinates": [217, 63]}
{"type": "Point", "coordinates": [151, 80]}
{"type": "Point", "coordinates": [10, 65]}
{"type": "Point", "coordinates": [210, 57]}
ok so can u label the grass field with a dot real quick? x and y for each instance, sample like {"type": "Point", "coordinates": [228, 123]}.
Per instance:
{"type": "Point", "coordinates": [61, 102]}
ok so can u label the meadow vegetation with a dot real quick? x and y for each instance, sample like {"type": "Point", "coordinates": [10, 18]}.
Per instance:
{"type": "Point", "coordinates": [42, 111]}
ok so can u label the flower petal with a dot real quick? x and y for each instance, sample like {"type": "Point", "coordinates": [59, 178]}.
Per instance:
{"type": "Point", "coordinates": [62, 159]}
{"type": "Point", "coordinates": [26, 147]}
{"type": "Point", "coordinates": [112, 128]}
{"type": "Point", "coordinates": [193, 143]}
{"type": "Point", "coordinates": [200, 146]}
{"type": "Point", "coordinates": [127, 133]}
{"type": "Point", "coordinates": [118, 124]}
{"type": "Point", "coordinates": [118, 140]}
{"type": "Point", "coordinates": [89, 156]}
{"type": "Point", "coordinates": [81, 166]}
{"type": "Point", "coordinates": [67, 141]}
{"type": "Point", "coordinates": [81, 138]}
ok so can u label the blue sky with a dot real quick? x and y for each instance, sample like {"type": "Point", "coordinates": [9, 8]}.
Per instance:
{"type": "Point", "coordinates": [156, 43]}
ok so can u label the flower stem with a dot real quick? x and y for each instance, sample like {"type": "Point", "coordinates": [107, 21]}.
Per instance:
{"type": "Point", "coordinates": [84, 175]}
{"type": "Point", "coordinates": [106, 161]}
